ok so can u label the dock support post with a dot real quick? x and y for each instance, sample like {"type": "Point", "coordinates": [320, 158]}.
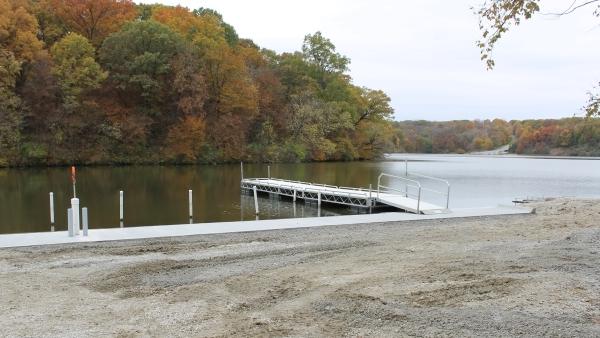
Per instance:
{"type": "Point", "coordinates": [269, 171]}
{"type": "Point", "coordinates": [242, 169]}
{"type": "Point", "coordinates": [319, 198]}
{"type": "Point", "coordinates": [294, 195]}
{"type": "Point", "coordinates": [121, 208]}
{"type": "Point", "coordinates": [70, 222]}
{"type": "Point", "coordinates": [255, 200]}
{"type": "Point", "coordinates": [51, 211]}
{"type": "Point", "coordinates": [190, 206]}
{"type": "Point", "coordinates": [405, 167]}
{"type": "Point", "coordinates": [84, 218]}
{"type": "Point", "coordinates": [75, 212]}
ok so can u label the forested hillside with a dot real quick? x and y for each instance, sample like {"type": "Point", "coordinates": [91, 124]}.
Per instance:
{"type": "Point", "coordinates": [109, 81]}
{"type": "Point", "coordinates": [569, 136]}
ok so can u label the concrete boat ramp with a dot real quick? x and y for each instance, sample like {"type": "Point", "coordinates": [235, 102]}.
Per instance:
{"type": "Point", "coordinates": [159, 231]}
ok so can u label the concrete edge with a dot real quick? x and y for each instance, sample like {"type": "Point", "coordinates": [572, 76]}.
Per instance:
{"type": "Point", "coordinates": [177, 230]}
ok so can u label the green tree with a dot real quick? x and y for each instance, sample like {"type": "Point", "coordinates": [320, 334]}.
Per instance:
{"type": "Point", "coordinates": [76, 69]}
{"type": "Point", "coordinates": [139, 61]}
{"type": "Point", "coordinates": [313, 123]}
{"type": "Point", "coordinates": [320, 51]}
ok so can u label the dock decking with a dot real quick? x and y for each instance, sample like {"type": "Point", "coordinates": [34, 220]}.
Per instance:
{"type": "Point", "coordinates": [355, 197]}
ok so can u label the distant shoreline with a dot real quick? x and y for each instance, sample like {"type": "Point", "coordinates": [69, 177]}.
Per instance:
{"type": "Point", "coordinates": [541, 157]}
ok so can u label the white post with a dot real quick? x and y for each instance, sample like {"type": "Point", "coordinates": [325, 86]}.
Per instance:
{"type": "Point", "coordinates": [70, 222]}
{"type": "Point", "coordinates": [121, 207]}
{"type": "Point", "coordinates": [448, 198]}
{"type": "Point", "coordinates": [319, 198]}
{"type": "Point", "coordinates": [269, 171]}
{"type": "Point", "coordinates": [255, 200]}
{"type": "Point", "coordinates": [406, 174]}
{"type": "Point", "coordinates": [242, 169]}
{"type": "Point", "coordinates": [84, 218]}
{"type": "Point", "coordinates": [191, 207]}
{"type": "Point", "coordinates": [51, 211]}
{"type": "Point", "coordinates": [419, 202]}
{"type": "Point", "coordinates": [294, 195]}
{"type": "Point", "coordinates": [370, 198]}
{"type": "Point", "coordinates": [76, 219]}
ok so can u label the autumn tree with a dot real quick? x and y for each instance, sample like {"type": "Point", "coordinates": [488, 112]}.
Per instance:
{"type": "Point", "coordinates": [18, 29]}
{"type": "Point", "coordinates": [94, 19]}
{"type": "Point", "coordinates": [169, 84]}
{"type": "Point", "coordinates": [11, 116]}
{"type": "Point", "coordinates": [374, 106]}
{"type": "Point", "coordinates": [19, 46]}
{"type": "Point", "coordinates": [229, 32]}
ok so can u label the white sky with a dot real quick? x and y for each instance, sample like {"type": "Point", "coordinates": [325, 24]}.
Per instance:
{"type": "Point", "coordinates": [423, 54]}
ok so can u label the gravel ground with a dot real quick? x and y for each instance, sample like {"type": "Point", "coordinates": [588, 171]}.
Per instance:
{"type": "Point", "coordinates": [522, 275]}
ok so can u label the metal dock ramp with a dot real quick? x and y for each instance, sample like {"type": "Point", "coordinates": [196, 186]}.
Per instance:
{"type": "Point", "coordinates": [406, 194]}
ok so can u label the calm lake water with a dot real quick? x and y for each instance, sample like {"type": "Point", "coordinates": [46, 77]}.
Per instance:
{"type": "Point", "coordinates": [158, 194]}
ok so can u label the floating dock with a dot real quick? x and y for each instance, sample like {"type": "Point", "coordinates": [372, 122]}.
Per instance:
{"type": "Point", "coordinates": [406, 195]}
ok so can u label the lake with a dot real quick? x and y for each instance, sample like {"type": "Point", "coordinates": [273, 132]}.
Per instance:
{"type": "Point", "coordinates": [159, 194]}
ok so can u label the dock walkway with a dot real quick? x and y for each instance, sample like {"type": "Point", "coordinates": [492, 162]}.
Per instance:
{"type": "Point", "coordinates": [409, 199]}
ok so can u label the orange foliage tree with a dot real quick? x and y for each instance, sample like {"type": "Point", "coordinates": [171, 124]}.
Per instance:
{"type": "Point", "coordinates": [94, 19]}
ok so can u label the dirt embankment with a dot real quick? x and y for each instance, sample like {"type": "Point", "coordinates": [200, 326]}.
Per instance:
{"type": "Point", "coordinates": [530, 275]}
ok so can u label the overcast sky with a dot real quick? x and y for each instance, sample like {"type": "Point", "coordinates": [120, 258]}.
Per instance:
{"type": "Point", "coordinates": [423, 54]}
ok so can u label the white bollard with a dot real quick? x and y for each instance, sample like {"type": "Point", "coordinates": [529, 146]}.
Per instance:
{"type": "Point", "coordinates": [70, 222]}
{"type": "Point", "coordinates": [84, 219]}
{"type": "Point", "coordinates": [191, 206]}
{"type": "Point", "coordinates": [75, 212]}
{"type": "Point", "coordinates": [255, 200]}
{"type": "Point", "coordinates": [370, 198]}
{"type": "Point", "coordinates": [121, 208]}
{"type": "Point", "coordinates": [51, 211]}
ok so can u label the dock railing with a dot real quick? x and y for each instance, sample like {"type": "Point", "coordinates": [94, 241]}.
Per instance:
{"type": "Point", "coordinates": [445, 194]}
{"type": "Point", "coordinates": [408, 184]}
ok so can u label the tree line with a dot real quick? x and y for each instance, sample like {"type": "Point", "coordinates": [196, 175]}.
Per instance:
{"type": "Point", "coordinates": [112, 82]}
{"type": "Point", "coordinates": [568, 136]}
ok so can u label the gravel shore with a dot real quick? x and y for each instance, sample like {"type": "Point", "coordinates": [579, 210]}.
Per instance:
{"type": "Point", "coordinates": [521, 275]}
